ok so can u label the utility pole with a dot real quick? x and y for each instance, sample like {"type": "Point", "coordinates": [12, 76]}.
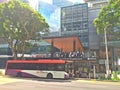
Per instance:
{"type": "Point", "coordinates": [107, 58]}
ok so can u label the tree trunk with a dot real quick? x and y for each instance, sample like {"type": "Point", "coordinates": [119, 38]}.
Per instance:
{"type": "Point", "coordinates": [14, 51]}
{"type": "Point", "coordinates": [23, 51]}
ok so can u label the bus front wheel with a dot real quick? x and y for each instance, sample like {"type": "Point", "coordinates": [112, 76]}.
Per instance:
{"type": "Point", "coordinates": [49, 76]}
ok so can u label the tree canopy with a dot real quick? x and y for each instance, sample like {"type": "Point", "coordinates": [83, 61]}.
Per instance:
{"type": "Point", "coordinates": [109, 18]}
{"type": "Point", "coordinates": [19, 23]}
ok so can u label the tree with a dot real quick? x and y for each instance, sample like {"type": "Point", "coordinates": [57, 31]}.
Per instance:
{"type": "Point", "coordinates": [109, 18]}
{"type": "Point", "coordinates": [19, 24]}
{"type": "Point", "coordinates": [108, 22]}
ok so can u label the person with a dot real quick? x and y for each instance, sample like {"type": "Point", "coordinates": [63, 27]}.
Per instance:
{"type": "Point", "coordinates": [87, 74]}
{"type": "Point", "coordinates": [80, 74]}
{"type": "Point", "coordinates": [77, 74]}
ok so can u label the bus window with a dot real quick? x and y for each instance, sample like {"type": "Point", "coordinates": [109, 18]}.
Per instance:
{"type": "Point", "coordinates": [59, 67]}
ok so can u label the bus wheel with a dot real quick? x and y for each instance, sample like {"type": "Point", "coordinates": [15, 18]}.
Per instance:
{"type": "Point", "coordinates": [49, 76]}
{"type": "Point", "coordinates": [19, 74]}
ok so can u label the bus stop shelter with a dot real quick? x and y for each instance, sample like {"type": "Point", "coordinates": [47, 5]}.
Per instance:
{"type": "Point", "coordinates": [67, 44]}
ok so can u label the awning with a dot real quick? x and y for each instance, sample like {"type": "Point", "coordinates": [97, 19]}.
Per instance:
{"type": "Point", "coordinates": [66, 44]}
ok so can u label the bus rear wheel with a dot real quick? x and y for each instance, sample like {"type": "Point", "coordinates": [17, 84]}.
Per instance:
{"type": "Point", "coordinates": [49, 76]}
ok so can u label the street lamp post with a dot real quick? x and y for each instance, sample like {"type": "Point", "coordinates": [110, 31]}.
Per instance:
{"type": "Point", "coordinates": [106, 48]}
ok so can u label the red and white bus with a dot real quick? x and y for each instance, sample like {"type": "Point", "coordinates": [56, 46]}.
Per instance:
{"type": "Point", "coordinates": [37, 68]}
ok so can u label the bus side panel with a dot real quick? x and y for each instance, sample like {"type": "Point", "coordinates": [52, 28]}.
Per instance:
{"type": "Point", "coordinates": [12, 72]}
{"type": "Point", "coordinates": [59, 74]}
{"type": "Point", "coordinates": [24, 73]}
{"type": "Point", "coordinates": [29, 73]}
{"type": "Point", "coordinates": [33, 73]}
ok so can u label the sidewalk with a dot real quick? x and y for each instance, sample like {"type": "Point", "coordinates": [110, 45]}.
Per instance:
{"type": "Point", "coordinates": [4, 80]}
{"type": "Point", "coordinates": [2, 72]}
{"type": "Point", "coordinates": [96, 81]}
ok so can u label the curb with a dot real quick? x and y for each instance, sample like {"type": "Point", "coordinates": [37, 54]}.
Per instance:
{"type": "Point", "coordinates": [95, 81]}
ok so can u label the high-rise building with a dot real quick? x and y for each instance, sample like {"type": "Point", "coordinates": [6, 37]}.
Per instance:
{"type": "Point", "coordinates": [51, 14]}
{"type": "Point", "coordinates": [94, 8]}
{"type": "Point", "coordinates": [96, 3]}
{"type": "Point", "coordinates": [59, 4]}
{"type": "Point", "coordinates": [62, 3]}
{"type": "Point", "coordinates": [74, 21]}
{"type": "Point", "coordinates": [93, 37]}
{"type": "Point", "coordinates": [94, 0]}
{"type": "Point", "coordinates": [92, 40]}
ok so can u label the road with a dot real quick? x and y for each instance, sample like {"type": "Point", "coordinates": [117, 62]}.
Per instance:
{"type": "Point", "coordinates": [45, 84]}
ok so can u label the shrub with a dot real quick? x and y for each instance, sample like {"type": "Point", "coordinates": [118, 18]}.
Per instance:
{"type": "Point", "coordinates": [115, 76]}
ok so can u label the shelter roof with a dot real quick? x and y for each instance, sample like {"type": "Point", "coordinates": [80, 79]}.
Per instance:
{"type": "Point", "coordinates": [66, 44]}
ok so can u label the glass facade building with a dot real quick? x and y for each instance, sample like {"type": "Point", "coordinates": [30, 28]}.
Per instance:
{"type": "Point", "coordinates": [93, 36]}
{"type": "Point", "coordinates": [74, 21]}
{"type": "Point", "coordinates": [61, 3]}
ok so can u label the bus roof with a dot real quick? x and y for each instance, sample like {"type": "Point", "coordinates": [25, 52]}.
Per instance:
{"type": "Point", "coordinates": [37, 61]}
